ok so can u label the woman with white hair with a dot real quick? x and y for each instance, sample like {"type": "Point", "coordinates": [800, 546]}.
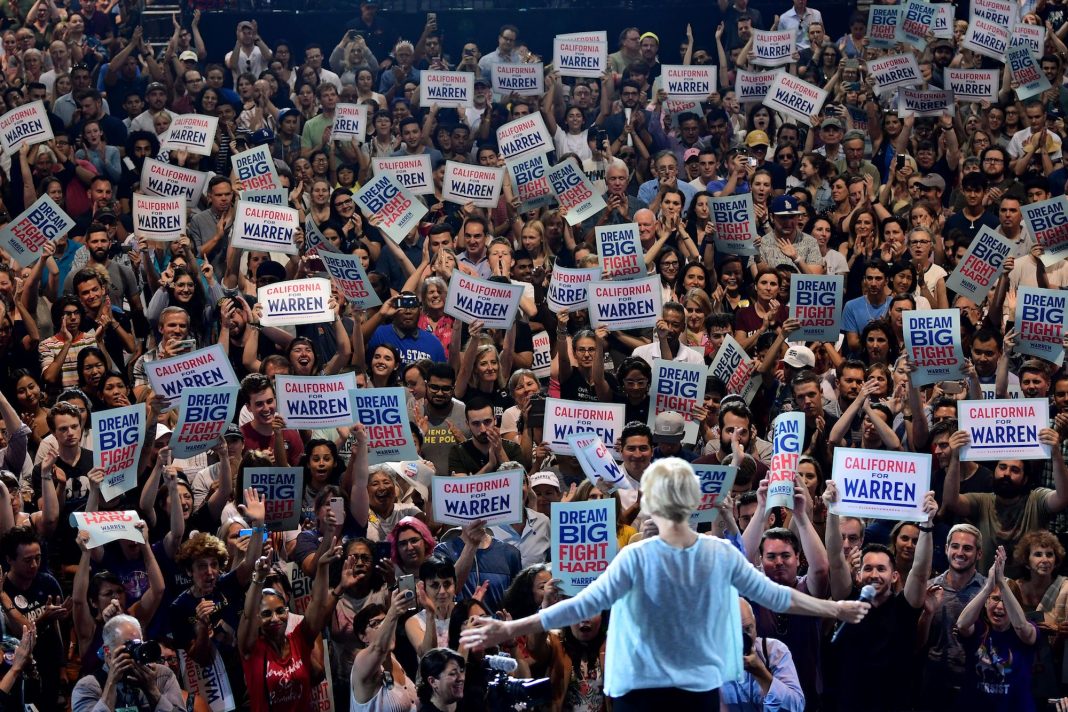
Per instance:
{"type": "Point", "coordinates": [684, 581]}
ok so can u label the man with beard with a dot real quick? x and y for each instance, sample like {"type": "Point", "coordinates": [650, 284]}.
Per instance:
{"type": "Point", "coordinates": [994, 163]}
{"type": "Point", "coordinates": [632, 114]}
{"type": "Point", "coordinates": [974, 477]}
{"type": "Point", "coordinates": [735, 422]}
{"type": "Point", "coordinates": [112, 326]}
{"type": "Point", "coordinates": [485, 450]}
{"type": "Point", "coordinates": [1014, 508]}
{"type": "Point", "coordinates": [403, 332]}
{"type": "Point", "coordinates": [266, 430]}
{"type": "Point", "coordinates": [139, 146]}
{"type": "Point", "coordinates": [441, 680]}
{"type": "Point", "coordinates": [122, 282]}
{"type": "Point", "coordinates": [66, 106]}
{"type": "Point", "coordinates": [667, 344]}
{"type": "Point", "coordinates": [442, 423]}
{"type": "Point", "coordinates": [883, 643]}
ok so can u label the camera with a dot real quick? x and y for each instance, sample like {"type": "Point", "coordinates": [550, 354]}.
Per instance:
{"type": "Point", "coordinates": [144, 652]}
{"type": "Point", "coordinates": [513, 693]}
{"type": "Point", "coordinates": [407, 301]}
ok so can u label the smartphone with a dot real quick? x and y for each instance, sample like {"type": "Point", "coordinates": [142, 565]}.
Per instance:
{"type": "Point", "coordinates": [407, 301]}
{"type": "Point", "coordinates": [337, 506]}
{"type": "Point", "coordinates": [900, 161]}
{"type": "Point", "coordinates": [168, 458]}
{"type": "Point", "coordinates": [407, 583]}
{"type": "Point", "coordinates": [752, 162]}
{"type": "Point", "coordinates": [248, 532]}
{"type": "Point", "coordinates": [952, 388]}
{"type": "Point", "coordinates": [186, 345]}
{"type": "Point", "coordinates": [432, 17]}
{"type": "Point", "coordinates": [383, 550]}
{"type": "Point", "coordinates": [536, 413]}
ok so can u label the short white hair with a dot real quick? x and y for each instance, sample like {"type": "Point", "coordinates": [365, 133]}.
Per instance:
{"type": "Point", "coordinates": [670, 489]}
{"type": "Point", "coordinates": [114, 625]}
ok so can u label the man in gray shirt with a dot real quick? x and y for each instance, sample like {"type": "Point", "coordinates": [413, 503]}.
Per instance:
{"type": "Point", "coordinates": [210, 229]}
{"type": "Point", "coordinates": [786, 244]}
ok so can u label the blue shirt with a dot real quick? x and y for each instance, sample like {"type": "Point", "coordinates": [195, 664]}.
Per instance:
{"type": "Point", "coordinates": [420, 345]}
{"type": "Point", "coordinates": [858, 312]}
{"type": "Point", "coordinates": [497, 565]}
{"type": "Point", "coordinates": [785, 692]}
{"type": "Point", "coordinates": [650, 188]}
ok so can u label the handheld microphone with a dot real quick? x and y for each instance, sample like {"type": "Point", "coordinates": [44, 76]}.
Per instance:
{"type": "Point", "coordinates": [867, 594]}
{"type": "Point", "coordinates": [501, 663]}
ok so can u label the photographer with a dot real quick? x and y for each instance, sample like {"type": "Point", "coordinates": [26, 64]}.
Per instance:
{"type": "Point", "coordinates": [129, 681]}
{"type": "Point", "coordinates": [441, 680]}
{"type": "Point", "coordinates": [770, 680]}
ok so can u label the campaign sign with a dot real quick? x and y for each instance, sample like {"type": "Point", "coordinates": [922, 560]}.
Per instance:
{"type": "Point", "coordinates": [106, 527]}
{"type": "Point", "coordinates": [543, 357]}
{"type": "Point", "coordinates": [203, 414]}
{"type": "Point", "coordinates": [597, 461]}
{"type": "Point", "coordinates": [620, 250]}
{"type": "Point", "coordinates": [879, 484]}
{"type": "Point", "coordinates": [525, 79]}
{"type": "Point", "coordinates": [787, 440]}
{"type": "Point", "coordinates": [579, 58]}
{"type": "Point", "coordinates": [583, 542]}
{"type": "Point", "coordinates": [350, 123]}
{"type": "Point", "coordinates": [977, 271]}
{"type": "Point", "coordinates": [1031, 36]}
{"type": "Point", "coordinates": [314, 240]}
{"type": "Point", "coordinates": [530, 182]}
{"type": "Point", "coordinates": [313, 402]}
{"type": "Point", "coordinates": [564, 418]}
{"type": "Point", "coordinates": [25, 236]}
{"type": "Point", "coordinates": [1028, 76]}
{"type": "Point", "coordinates": [631, 304]}
{"type": "Point", "coordinates": [160, 178]}
{"type": "Point", "coordinates": [1000, 12]}
{"type": "Point", "coordinates": [675, 108]}
{"type": "Point", "coordinates": [268, 228]}
{"type": "Point", "coordinates": [466, 183]}
{"type": "Point", "coordinates": [384, 413]}
{"type": "Point", "coordinates": [274, 196]}
{"type": "Point", "coordinates": [732, 365]}
{"type": "Point", "coordinates": [204, 368]}
{"type": "Point", "coordinates": [735, 223]}
{"type": "Point", "coordinates": [413, 173]}
{"type": "Point", "coordinates": [208, 682]}
{"type": "Point", "coordinates": [921, 103]}
{"type": "Point", "coordinates": [595, 36]}
{"type": "Point", "coordinates": [1004, 430]}
{"type": "Point", "coordinates": [348, 274]}
{"type": "Point", "coordinates": [794, 97]}
{"type": "Point", "coordinates": [25, 124]}
{"type": "Point", "coordinates": [882, 25]}
{"type": "Point", "coordinates": [397, 210]}
{"type": "Point", "coordinates": [446, 89]}
{"type": "Point", "coordinates": [716, 483]}
{"type": "Point", "coordinates": [282, 489]}
{"type": "Point", "coordinates": [472, 298]}
{"type": "Point", "coordinates": [679, 387]}
{"type": "Point", "coordinates": [970, 85]}
{"type": "Point", "coordinates": [158, 218]}
{"type": "Point", "coordinates": [773, 48]}
{"type": "Point", "coordinates": [752, 87]}
{"type": "Point", "coordinates": [525, 135]}
{"type": "Point", "coordinates": [495, 498]}
{"type": "Point", "coordinates": [816, 301]}
{"type": "Point", "coordinates": [194, 133]}
{"type": "Point", "coordinates": [894, 72]}
{"type": "Point", "coordinates": [932, 341]}
{"type": "Point", "coordinates": [1040, 323]}
{"type": "Point", "coordinates": [917, 21]}
{"type": "Point", "coordinates": [297, 301]}
{"type": "Point", "coordinates": [1047, 221]}
{"type": "Point", "coordinates": [943, 22]}
{"type": "Point", "coordinates": [568, 288]}
{"type": "Point", "coordinates": [118, 435]}
{"type": "Point", "coordinates": [688, 81]}
{"type": "Point", "coordinates": [986, 38]}
{"type": "Point", "coordinates": [255, 169]}
{"type": "Point", "coordinates": [574, 191]}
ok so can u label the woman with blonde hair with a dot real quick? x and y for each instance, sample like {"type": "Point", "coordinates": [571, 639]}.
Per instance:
{"type": "Point", "coordinates": [698, 306]}
{"type": "Point", "coordinates": [532, 239]}
{"type": "Point", "coordinates": [483, 371]}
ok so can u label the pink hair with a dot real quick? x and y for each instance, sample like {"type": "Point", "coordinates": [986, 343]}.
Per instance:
{"type": "Point", "coordinates": [418, 526]}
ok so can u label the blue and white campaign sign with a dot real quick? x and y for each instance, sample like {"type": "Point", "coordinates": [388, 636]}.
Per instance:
{"type": "Point", "coordinates": [574, 191]}
{"type": "Point", "coordinates": [880, 484]}
{"type": "Point", "coordinates": [679, 387]}
{"type": "Point", "coordinates": [632, 304]}
{"type": "Point", "coordinates": [597, 461]}
{"type": "Point", "coordinates": [917, 21]}
{"type": "Point", "coordinates": [313, 402]}
{"type": "Point", "coordinates": [882, 25]}
{"type": "Point", "coordinates": [106, 527]}
{"type": "Point", "coordinates": [794, 97]}
{"type": "Point", "coordinates": [194, 133]}
{"type": "Point", "coordinates": [466, 183]}
{"type": "Point", "coordinates": [350, 123]}
{"type": "Point", "coordinates": [495, 498]}
{"type": "Point", "coordinates": [543, 357]}
{"type": "Point", "coordinates": [773, 48]}
{"type": "Point", "coordinates": [564, 418]}
{"type": "Point", "coordinates": [583, 542]}
{"type": "Point", "coordinates": [269, 228]}
{"type": "Point", "coordinates": [297, 301]}
{"type": "Point", "coordinates": [735, 223]}
{"type": "Point", "coordinates": [282, 488]}
{"type": "Point", "coordinates": [525, 135]}
{"type": "Point", "coordinates": [931, 103]}
{"type": "Point", "coordinates": [1047, 221]}
{"type": "Point", "coordinates": [495, 304]}
{"type": "Point", "coordinates": [314, 240]}
{"type": "Point", "coordinates": [118, 436]}
{"type": "Point", "coordinates": [274, 196]}
{"type": "Point", "coordinates": [943, 22]}
{"type": "Point", "coordinates": [752, 87]}
{"type": "Point", "coordinates": [579, 58]}
{"type": "Point", "coordinates": [203, 368]}
{"type": "Point", "coordinates": [1025, 72]}
{"type": "Point", "coordinates": [732, 365]}
{"type": "Point", "coordinates": [203, 414]}
{"type": "Point", "coordinates": [816, 301]}
{"type": "Point", "coordinates": [25, 124]}
{"type": "Point", "coordinates": [413, 173]}
{"type": "Point", "coordinates": [1031, 36]}
{"type": "Point", "coordinates": [987, 38]}
{"type": "Point", "coordinates": [255, 169]}
{"type": "Point", "coordinates": [446, 89]}
{"type": "Point", "coordinates": [1004, 429]}
{"type": "Point", "coordinates": [208, 682]}
{"type": "Point", "coordinates": [620, 250]}
{"type": "Point", "coordinates": [159, 178]}
{"type": "Point", "coordinates": [397, 210]}
{"type": "Point", "coordinates": [969, 85]}
{"type": "Point", "coordinates": [569, 287]}
{"type": "Point", "coordinates": [158, 218]}
{"type": "Point", "coordinates": [348, 274]}
{"type": "Point", "coordinates": [384, 413]}
{"type": "Point", "coordinates": [895, 71]}
{"type": "Point", "coordinates": [716, 483]}
{"type": "Point", "coordinates": [977, 271]}
{"type": "Point", "coordinates": [529, 177]}
{"type": "Point", "coordinates": [932, 342]}
{"type": "Point", "coordinates": [1040, 315]}
{"type": "Point", "coordinates": [689, 81]}
{"type": "Point", "coordinates": [25, 236]}
{"type": "Point", "coordinates": [523, 79]}
{"type": "Point", "coordinates": [787, 441]}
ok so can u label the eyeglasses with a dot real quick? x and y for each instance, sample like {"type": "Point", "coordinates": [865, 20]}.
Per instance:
{"type": "Point", "coordinates": [343, 203]}
{"type": "Point", "coordinates": [586, 350]}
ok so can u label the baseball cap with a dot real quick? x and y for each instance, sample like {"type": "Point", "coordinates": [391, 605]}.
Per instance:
{"type": "Point", "coordinates": [544, 478]}
{"type": "Point", "coordinates": [482, 81]}
{"type": "Point", "coordinates": [785, 205]}
{"type": "Point", "coordinates": [270, 268]}
{"type": "Point", "coordinates": [757, 138]}
{"type": "Point", "coordinates": [287, 112]}
{"type": "Point", "coordinates": [232, 432]}
{"type": "Point", "coordinates": [690, 153]}
{"type": "Point", "coordinates": [153, 87]}
{"type": "Point", "coordinates": [832, 122]}
{"type": "Point", "coordinates": [933, 180]}
{"type": "Point", "coordinates": [669, 427]}
{"type": "Point", "coordinates": [188, 56]}
{"type": "Point", "coordinates": [940, 42]}
{"type": "Point", "coordinates": [800, 357]}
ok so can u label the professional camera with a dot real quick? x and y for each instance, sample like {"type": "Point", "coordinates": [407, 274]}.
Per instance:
{"type": "Point", "coordinates": [513, 693]}
{"type": "Point", "coordinates": [144, 652]}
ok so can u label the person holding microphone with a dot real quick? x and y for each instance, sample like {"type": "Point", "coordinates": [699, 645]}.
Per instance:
{"type": "Point", "coordinates": [684, 581]}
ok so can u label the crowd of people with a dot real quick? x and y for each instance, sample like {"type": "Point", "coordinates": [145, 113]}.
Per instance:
{"type": "Point", "coordinates": [372, 605]}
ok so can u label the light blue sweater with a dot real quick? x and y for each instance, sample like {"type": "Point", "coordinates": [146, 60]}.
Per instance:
{"type": "Point", "coordinates": [675, 618]}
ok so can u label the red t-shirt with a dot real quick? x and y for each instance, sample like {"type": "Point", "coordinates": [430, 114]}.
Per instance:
{"type": "Point", "coordinates": [287, 682]}
{"type": "Point", "coordinates": [255, 441]}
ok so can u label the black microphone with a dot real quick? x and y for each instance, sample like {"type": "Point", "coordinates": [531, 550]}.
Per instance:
{"type": "Point", "coordinates": [867, 594]}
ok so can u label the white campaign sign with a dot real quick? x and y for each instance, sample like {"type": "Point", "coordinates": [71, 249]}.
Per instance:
{"type": "Point", "coordinates": [397, 210]}
{"type": "Point", "coordinates": [194, 133]}
{"type": "Point", "coordinates": [25, 124]}
{"type": "Point", "coordinates": [773, 48]}
{"type": "Point", "coordinates": [298, 301]}
{"type": "Point", "coordinates": [1004, 429]}
{"type": "Point", "coordinates": [413, 173]}
{"type": "Point", "coordinates": [973, 84]}
{"type": "Point", "coordinates": [568, 287]}
{"type": "Point", "coordinates": [579, 58]}
{"type": "Point", "coordinates": [716, 483]}
{"type": "Point", "coordinates": [204, 368]}
{"type": "Point", "coordinates": [158, 218]}
{"type": "Point", "coordinates": [575, 191]}
{"type": "Point", "coordinates": [105, 527]}
{"type": "Point", "coordinates": [526, 134]}
{"type": "Point", "coordinates": [631, 304]}
{"type": "Point", "coordinates": [313, 402]}
{"type": "Point", "coordinates": [526, 79]}
{"type": "Point", "coordinates": [879, 484]}
{"type": "Point", "coordinates": [446, 89]}
{"type": "Point", "coordinates": [564, 418]}
{"type": "Point", "coordinates": [478, 185]}
{"type": "Point", "coordinates": [688, 81]}
{"type": "Point", "coordinates": [268, 228]}
{"type": "Point", "coordinates": [160, 178]}
{"type": "Point", "coordinates": [794, 97]}
{"type": "Point", "coordinates": [350, 123]}
{"type": "Point", "coordinates": [496, 498]}
{"type": "Point", "coordinates": [894, 72]}
{"type": "Point", "coordinates": [493, 303]}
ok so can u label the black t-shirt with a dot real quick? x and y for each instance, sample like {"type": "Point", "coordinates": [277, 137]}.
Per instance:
{"type": "Point", "coordinates": [499, 397]}
{"type": "Point", "coordinates": [64, 546]}
{"type": "Point", "coordinates": [465, 457]}
{"type": "Point", "coordinates": [576, 387]}
{"type": "Point", "coordinates": [30, 602]}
